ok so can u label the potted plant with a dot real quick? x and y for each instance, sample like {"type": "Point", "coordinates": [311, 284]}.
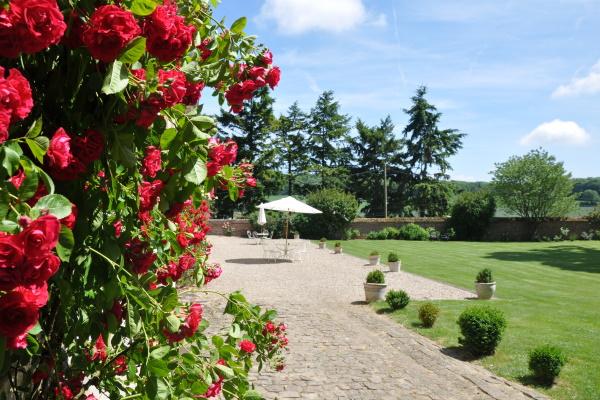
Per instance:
{"type": "Point", "coordinates": [375, 286]}
{"type": "Point", "coordinates": [337, 249]}
{"type": "Point", "coordinates": [393, 262]}
{"type": "Point", "coordinates": [322, 243]}
{"type": "Point", "coordinates": [374, 258]}
{"type": "Point", "coordinates": [485, 284]}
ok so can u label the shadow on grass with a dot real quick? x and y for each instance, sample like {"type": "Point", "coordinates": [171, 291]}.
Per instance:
{"type": "Point", "coordinates": [385, 310]}
{"type": "Point", "coordinates": [530, 380]}
{"type": "Point", "coordinates": [459, 353]}
{"type": "Point", "coordinates": [567, 257]}
{"type": "Point", "coordinates": [256, 261]}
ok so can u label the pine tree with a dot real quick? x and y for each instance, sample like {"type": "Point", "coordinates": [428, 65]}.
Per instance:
{"type": "Point", "coordinates": [290, 143]}
{"type": "Point", "coordinates": [374, 149]}
{"type": "Point", "coordinates": [427, 146]}
{"type": "Point", "coordinates": [328, 147]}
{"type": "Point", "coordinates": [251, 129]}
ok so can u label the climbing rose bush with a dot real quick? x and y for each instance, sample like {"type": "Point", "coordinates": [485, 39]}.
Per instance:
{"type": "Point", "coordinates": [107, 170]}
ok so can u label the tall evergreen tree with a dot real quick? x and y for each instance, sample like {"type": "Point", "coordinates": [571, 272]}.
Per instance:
{"type": "Point", "coordinates": [328, 147]}
{"type": "Point", "coordinates": [251, 129]}
{"type": "Point", "coordinates": [427, 146]}
{"type": "Point", "coordinates": [375, 148]}
{"type": "Point", "coordinates": [290, 143]}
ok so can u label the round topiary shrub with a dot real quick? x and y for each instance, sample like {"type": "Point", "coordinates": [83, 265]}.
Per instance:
{"type": "Point", "coordinates": [484, 276]}
{"type": "Point", "coordinates": [376, 276]}
{"type": "Point", "coordinates": [397, 299]}
{"type": "Point", "coordinates": [482, 328]}
{"type": "Point", "coordinates": [428, 314]}
{"type": "Point", "coordinates": [393, 257]}
{"type": "Point", "coordinates": [546, 362]}
{"type": "Point", "coordinates": [413, 232]}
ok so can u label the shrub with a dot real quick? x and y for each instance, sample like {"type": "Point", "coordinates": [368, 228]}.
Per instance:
{"type": "Point", "coordinates": [482, 328]}
{"type": "Point", "coordinates": [397, 299]}
{"type": "Point", "coordinates": [546, 362]}
{"type": "Point", "coordinates": [392, 257]}
{"type": "Point", "coordinates": [351, 234]}
{"type": "Point", "coordinates": [484, 276]}
{"type": "Point", "coordinates": [338, 244]}
{"type": "Point", "coordinates": [428, 314]}
{"type": "Point", "coordinates": [413, 232]}
{"type": "Point", "coordinates": [323, 239]}
{"type": "Point", "coordinates": [375, 276]}
{"type": "Point", "coordinates": [374, 253]}
{"type": "Point", "coordinates": [471, 214]}
{"type": "Point", "coordinates": [391, 233]}
{"type": "Point", "coordinates": [433, 233]}
{"type": "Point", "coordinates": [594, 217]}
{"type": "Point", "coordinates": [338, 210]}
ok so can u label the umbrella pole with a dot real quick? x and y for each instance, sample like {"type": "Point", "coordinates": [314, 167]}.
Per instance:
{"type": "Point", "coordinates": [287, 221]}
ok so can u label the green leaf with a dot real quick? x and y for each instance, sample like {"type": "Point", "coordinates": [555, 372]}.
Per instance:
{"type": "Point", "coordinates": [123, 149]}
{"type": "Point", "coordinates": [160, 353]}
{"type": "Point", "coordinates": [38, 146]}
{"type": "Point", "coordinates": [239, 25]}
{"type": "Point", "coordinates": [30, 183]}
{"type": "Point", "coordinates": [65, 245]}
{"type": "Point", "coordinates": [198, 173]}
{"type": "Point", "coordinates": [143, 7]}
{"type": "Point", "coordinates": [47, 180]}
{"type": "Point", "coordinates": [54, 204]}
{"type": "Point", "coordinates": [173, 323]}
{"type": "Point", "coordinates": [8, 226]}
{"type": "Point", "coordinates": [235, 331]}
{"type": "Point", "coordinates": [227, 372]}
{"type": "Point", "coordinates": [167, 137]}
{"type": "Point", "coordinates": [116, 79]}
{"type": "Point", "coordinates": [252, 395]}
{"type": "Point", "coordinates": [35, 129]}
{"type": "Point", "coordinates": [199, 387]}
{"type": "Point", "coordinates": [158, 367]}
{"type": "Point", "coordinates": [134, 50]}
{"type": "Point", "coordinates": [203, 122]}
{"type": "Point", "coordinates": [36, 329]}
{"type": "Point", "coordinates": [10, 160]}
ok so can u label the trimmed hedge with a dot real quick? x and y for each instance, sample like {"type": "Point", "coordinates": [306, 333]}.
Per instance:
{"type": "Point", "coordinates": [482, 328]}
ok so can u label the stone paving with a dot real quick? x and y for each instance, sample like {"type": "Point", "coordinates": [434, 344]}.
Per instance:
{"type": "Point", "coordinates": [339, 347]}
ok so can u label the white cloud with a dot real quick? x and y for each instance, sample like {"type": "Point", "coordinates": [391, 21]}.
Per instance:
{"type": "Point", "coordinates": [589, 84]}
{"type": "Point", "coordinates": [557, 131]}
{"type": "Point", "coordinates": [299, 16]}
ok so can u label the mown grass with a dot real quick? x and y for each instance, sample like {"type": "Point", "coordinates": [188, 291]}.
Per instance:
{"type": "Point", "coordinates": [549, 292]}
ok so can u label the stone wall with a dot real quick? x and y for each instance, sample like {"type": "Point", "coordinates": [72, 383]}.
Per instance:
{"type": "Point", "coordinates": [500, 229]}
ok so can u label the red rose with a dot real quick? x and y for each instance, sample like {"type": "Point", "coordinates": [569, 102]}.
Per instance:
{"type": "Point", "coordinates": [193, 92]}
{"type": "Point", "coordinates": [152, 162]}
{"type": "Point", "coordinates": [205, 52]}
{"type": "Point", "coordinates": [37, 272]}
{"type": "Point", "coordinates": [149, 111]}
{"type": "Point", "coordinates": [69, 221]}
{"type": "Point", "coordinates": [168, 37]}
{"type": "Point", "coordinates": [148, 192]}
{"type": "Point", "coordinates": [213, 168]}
{"type": "Point", "coordinates": [71, 172]}
{"type": "Point", "coordinates": [251, 181]}
{"type": "Point", "coordinates": [4, 124]}
{"type": "Point", "coordinates": [11, 252]}
{"type": "Point", "coordinates": [15, 94]}
{"type": "Point", "coordinates": [266, 58]}
{"type": "Point", "coordinates": [100, 350]}
{"type": "Point", "coordinates": [39, 193]}
{"type": "Point", "coordinates": [258, 74]}
{"type": "Point", "coordinates": [230, 152]}
{"type": "Point", "coordinates": [18, 313]}
{"type": "Point", "coordinates": [173, 86]}
{"type": "Point", "coordinates": [17, 342]}
{"type": "Point", "coordinates": [38, 24]}
{"type": "Point", "coordinates": [59, 152]}
{"type": "Point", "coordinates": [108, 32]}
{"type": "Point", "coordinates": [273, 77]}
{"type": "Point", "coordinates": [17, 179]}
{"type": "Point", "coordinates": [37, 294]}
{"type": "Point", "coordinates": [9, 45]}
{"type": "Point", "coordinates": [118, 225]}
{"type": "Point", "coordinates": [40, 237]}
{"type": "Point", "coordinates": [247, 346]}
{"type": "Point", "coordinates": [89, 147]}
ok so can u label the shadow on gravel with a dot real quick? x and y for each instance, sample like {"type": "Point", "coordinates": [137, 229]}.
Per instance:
{"type": "Point", "coordinates": [255, 261]}
{"type": "Point", "coordinates": [459, 353]}
{"type": "Point", "coordinates": [359, 303]}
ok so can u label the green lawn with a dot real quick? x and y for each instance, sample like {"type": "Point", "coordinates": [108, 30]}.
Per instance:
{"type": "Point", "coordinates": [549, 292]}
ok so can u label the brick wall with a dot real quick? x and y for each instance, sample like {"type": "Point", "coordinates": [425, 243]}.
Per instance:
{"type": "Point", "coordinates": [240, 226]}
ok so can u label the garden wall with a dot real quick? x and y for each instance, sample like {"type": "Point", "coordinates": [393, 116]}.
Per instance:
{"type": "Point", "coordinates": [501, 229]}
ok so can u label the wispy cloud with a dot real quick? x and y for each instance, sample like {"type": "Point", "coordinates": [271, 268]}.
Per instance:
{"type": "Point", "coordinates": [294, 17]}
{"type": "Point", "coordinates": [588, 84]}
{"type": "Point", "coordinates": [556, 131]}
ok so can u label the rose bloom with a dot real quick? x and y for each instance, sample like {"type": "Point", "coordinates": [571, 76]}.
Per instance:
{"type": "Point", "coordinates": [152, 162]}
{"type": "Point", "coordinates": [15, 99]}
{"type": "Point", "coordinates": [108, 32]}
{"type": "Point", "coordinates": [99, 350]}
{"type": "Point", "coordinates": [37, 24]}
{"type": "Point", "coordinates": [89, 147]}
{"type": "Point", "coordinates": [148, 192]}
{"type": "Point", "coordinates": [59, 151]}
{"type": "Point", "coordinates": [9, 45]}
{"type": "Point", "coordinates": [69, 221]}
{"type": "Point", "coordinates": [193, 92]}
{"type": "Point", "coordinates": [173, 86]}
{"type": "Point", "coordinates": [273, 77]}
{"type": "Point", "coordinates": [18, 313]}
{"type": "Point", "coordinates": [168, 37]}
{"type": "Point", "coordinates": [247, 346]}
{"type": "Point", "coordinates": [40, 237]}
{"type": "Point", "coordinates": [266, 58]}
{"type": "Point", "coordinates": [118, 225]}
{"type": "Point", "coordinates": [230, 152]}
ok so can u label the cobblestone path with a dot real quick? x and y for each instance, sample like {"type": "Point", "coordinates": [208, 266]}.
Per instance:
{"type": "Point", "coordinates": [339, 347]}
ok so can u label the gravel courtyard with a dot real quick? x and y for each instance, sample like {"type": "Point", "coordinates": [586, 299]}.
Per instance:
{"type": "Point", "coordinates": [339, 347]}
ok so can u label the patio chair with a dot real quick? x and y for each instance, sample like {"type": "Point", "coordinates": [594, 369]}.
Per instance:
{"type": "Point", "coordinates": [252, 237]}
{"type": "Point", "coordinates": [270, 251]}
{"type": "Point", "coordinates": [297, 252]}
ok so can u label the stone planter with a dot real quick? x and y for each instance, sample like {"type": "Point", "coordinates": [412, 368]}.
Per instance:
{"type": "Point", "coordinates": [337, 250]}
{"type": "Point", "coordinates": [485, 291]}
{"type": "Point", "coordinates": [374, 260]}
{"type": "Point", "coordinates": [374, 291]}
{"type": "Point", "coordinates": [321, 245]}
{"type": "Point", "coordinates": [394, 266]}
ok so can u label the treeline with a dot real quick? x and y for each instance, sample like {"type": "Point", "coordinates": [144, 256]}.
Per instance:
{"type": "Point", "coordinates": [303, 151]}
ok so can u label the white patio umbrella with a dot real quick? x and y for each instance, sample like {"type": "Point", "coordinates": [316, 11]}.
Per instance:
{"type": "Point", "coordinates": [262, 217]}
{"type": "Point", "coordinates": [289, 205]}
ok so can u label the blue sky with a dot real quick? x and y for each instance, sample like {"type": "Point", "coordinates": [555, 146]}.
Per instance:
{"type": "Point", "coordinates": [512, 75]}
